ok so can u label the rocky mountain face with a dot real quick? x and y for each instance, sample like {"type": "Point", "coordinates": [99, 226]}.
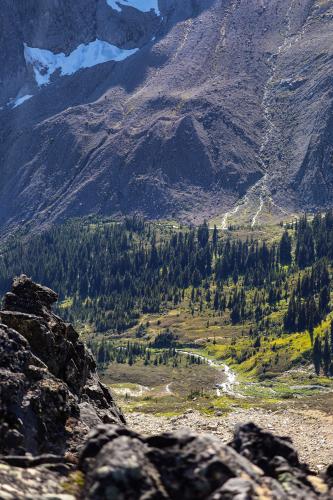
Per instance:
{"type": "Point", "coordinates": [50, 391]}
{"type": "Point", "coordinates": [169, 108]}
{"type": "Point", "coordinates": [63, 437]}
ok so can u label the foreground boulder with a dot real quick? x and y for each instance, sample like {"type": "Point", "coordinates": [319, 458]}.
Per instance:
{"type": "Point", "coordinates": [120, 464]}
{"type": "Point", "coordinates": [50, 393]}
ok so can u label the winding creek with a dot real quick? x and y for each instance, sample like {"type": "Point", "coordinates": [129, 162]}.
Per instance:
{"type": "Point", "coordinates": [226, 386]}
{"type": "Point", "coordinates": [229, 382]}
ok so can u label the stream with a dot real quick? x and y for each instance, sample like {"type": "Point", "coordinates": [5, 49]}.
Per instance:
{"type": "Point", "coordinates": [229, 376]}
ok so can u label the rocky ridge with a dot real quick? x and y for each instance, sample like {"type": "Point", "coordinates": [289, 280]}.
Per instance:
{"type": "Point", "coordinates": [50, 391]}
{"type": "Point", "coordinates": [63, 437]}
{"type": "Point", "coordinates": [310, 430]}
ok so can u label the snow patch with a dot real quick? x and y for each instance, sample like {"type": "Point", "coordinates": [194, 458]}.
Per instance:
{"type": "Point", "coordinates": [143, 5]}
{"type": "Point", "coordinates": [20, 100]}
{"type": "Point", "coordinates": [45, 62]}
{"type": "Point", "coordinates": [17, 101]}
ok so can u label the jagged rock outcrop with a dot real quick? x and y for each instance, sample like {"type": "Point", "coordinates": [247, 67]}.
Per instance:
{"type": "Point", "coordinates": [50, 393]}
{"type": "Point", "coordinates": [118, 463]}
{"type": "Point", "coordinates": [34, 406]}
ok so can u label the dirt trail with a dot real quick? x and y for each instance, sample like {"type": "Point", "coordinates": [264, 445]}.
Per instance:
{"type": "Point", "coordinates": [133, 393]}
{"type": "Point", "coordinates": [167, 388]}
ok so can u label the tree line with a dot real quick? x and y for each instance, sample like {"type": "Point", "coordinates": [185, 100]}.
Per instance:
{"type": "Point", "coordinates": [107, 352]}
{"type": "Point", "coordinates": [109, 274]}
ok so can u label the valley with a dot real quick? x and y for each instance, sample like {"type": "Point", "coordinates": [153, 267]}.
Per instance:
{"type": "Point", "coordinates": [166, 249]}
{"type": "Point", "coordinates": [195, 326]}
{"type": "Point", "coordinates": [214, 397]}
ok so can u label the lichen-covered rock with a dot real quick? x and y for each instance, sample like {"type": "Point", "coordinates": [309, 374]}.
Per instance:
{"type": "Point", "coordinates": [36, 482]}
{"type": "Point", "coordinates": [47, 378]}
{"type": "Point", "coordinates": [34, 405]}
{"type": "Point", "coordinates": [262, 448]}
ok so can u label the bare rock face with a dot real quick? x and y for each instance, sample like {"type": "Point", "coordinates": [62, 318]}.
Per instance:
{"type": "Point", "coordinates": [117, 463]}
{"type": "Point", "coordinates": [50, 393]}
{"type": "Point", "coordinates": [35, 406]}
{"type": "Point", "coordinates": [61, 26]}
{"type": "Point", "coordinates": [221, 96]}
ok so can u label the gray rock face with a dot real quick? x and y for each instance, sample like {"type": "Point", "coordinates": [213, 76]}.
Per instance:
{"type": "Point", "coordinates": [61, 26]}
{"type": "Point", "coordinates": [119, 463]}
{"type": "Point", "coordinates": [35, 406]}
{"type": "Point", "coordinates": [221, 94]}
{"type": "Point", "coordinates": [47, 377]}
{"type": "Point", "coordinates": [116, 463]}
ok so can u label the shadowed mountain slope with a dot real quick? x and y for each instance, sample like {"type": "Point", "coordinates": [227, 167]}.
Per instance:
{"type": "Point", "coordinates": [198, 103]}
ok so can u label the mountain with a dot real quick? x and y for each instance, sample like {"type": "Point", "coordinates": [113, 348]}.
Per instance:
{"type": "Point", "coordinates": [168, 108]}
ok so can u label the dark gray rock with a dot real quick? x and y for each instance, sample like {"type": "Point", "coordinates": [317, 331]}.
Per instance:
{"type": "Point", "coordinates": [27, 309]}
{"type": "Point", "coordinates": [120, 464]}
{"type": "Point", "coordinates": [34, 405]}
{"type": "Point", "coordinates": [46, 376]}
{"type": "Point", "coordinates": [262, 447]}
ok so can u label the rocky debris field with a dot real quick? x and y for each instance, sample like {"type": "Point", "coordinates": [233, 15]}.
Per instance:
{"type": "Point", "coordinates": [118, 463]}
{"type": "Point", "coordinates": [62, 436]}
{"type": "Point", "coordinates": [310, 431]}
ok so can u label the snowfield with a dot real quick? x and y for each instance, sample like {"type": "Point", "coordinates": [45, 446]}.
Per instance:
{"type": "Point", "coordinates": [19, 100]}
{"type": "Point", "coordinates": [45, 62]}
{"type": "Point", "coordinates": [143, 5]}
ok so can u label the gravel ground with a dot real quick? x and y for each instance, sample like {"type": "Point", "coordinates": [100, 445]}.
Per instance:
{"type": "Point", "coordinates": [310, 430]}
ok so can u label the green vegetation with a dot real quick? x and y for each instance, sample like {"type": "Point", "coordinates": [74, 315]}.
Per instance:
{"type": "Point", "coordinates": [107, 352]}
{"type": "Point", "coordinates": [140, 291]}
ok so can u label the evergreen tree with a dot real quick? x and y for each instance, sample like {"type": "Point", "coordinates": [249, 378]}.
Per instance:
{"type": "Point", "coordinates": [316, 355]}
{"type": "Point", "coordinates": [326, 355]}
{"type": "Point", "coordinates": [324, 301]}
{"type": "Point", "coordinates": [216, 300]}
{"type": "Point", "coordinates": [285, 249]}
{"type": "Point", "coordinates": [215, 238]}
{"type": "Point", "coordinates": [203, 234]}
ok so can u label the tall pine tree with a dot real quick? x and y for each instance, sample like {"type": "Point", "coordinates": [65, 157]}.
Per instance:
{"type": "Point", "coordinates": [316, 355]}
